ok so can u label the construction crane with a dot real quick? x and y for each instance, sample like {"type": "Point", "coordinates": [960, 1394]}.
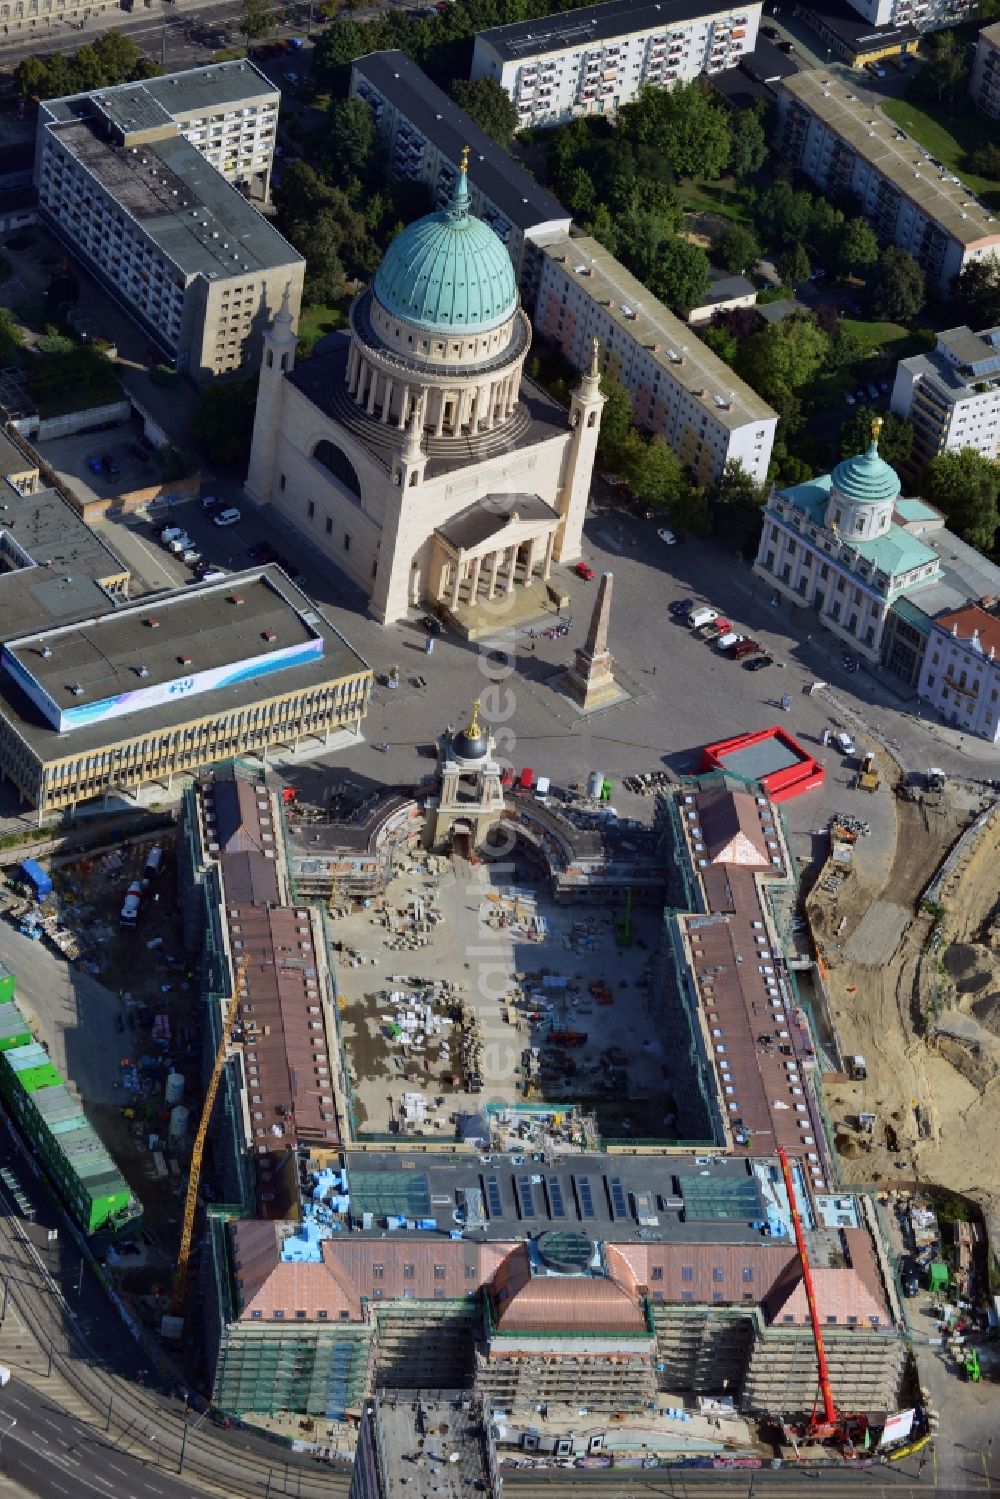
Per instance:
{"type": "Point", "coordinates": [832, 1424]}
{"type": "Point", "coordinates": [172, 1324]}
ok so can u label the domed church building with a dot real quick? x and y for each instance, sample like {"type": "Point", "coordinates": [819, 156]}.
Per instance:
{"type": "Point", "coordinates": [414, 454]}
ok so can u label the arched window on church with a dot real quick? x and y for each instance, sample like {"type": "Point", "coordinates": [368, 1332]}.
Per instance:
{"type": "Point", "coordinates": [336, 462]}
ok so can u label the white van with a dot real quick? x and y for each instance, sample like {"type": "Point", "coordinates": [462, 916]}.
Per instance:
{"type": "Point", "coordinates": [226, 517]}
{"type": "Point", "coordinates": [727, 641]}
{"type": "Point", "coordinates": [703, 616]}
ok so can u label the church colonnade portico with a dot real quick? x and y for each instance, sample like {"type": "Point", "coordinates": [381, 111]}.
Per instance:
{"type": "Point", "coordinates": [490, 571]}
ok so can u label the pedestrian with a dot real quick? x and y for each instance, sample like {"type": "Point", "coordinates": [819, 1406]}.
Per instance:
{"type": "Point", "coordinates": [654, 671]}
{"type": "Point", "coordinates": [808, 638]}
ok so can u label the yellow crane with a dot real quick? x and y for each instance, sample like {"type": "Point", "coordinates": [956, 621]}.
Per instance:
{"type": "Point", "coordinates": [172, 1325]}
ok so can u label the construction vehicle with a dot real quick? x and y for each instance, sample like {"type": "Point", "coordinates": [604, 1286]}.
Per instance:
{"type": "Point", "coordinates": [868, 776]}
{"type": "Point", "coordinates": [832, 1426]}
{"type": "Point", "coordinates": [172, 1325]}
{"type": "Point", "coordinates": [936, 778]}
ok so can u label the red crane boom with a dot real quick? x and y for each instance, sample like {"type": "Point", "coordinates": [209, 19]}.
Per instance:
{"type": "Point", "coordinates": [831, 1422]}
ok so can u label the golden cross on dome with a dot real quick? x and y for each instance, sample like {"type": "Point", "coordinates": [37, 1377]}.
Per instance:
{"type": "Point", "coordinates": [473, 729]}
{"type": "Point", "coordinates": [463, 165]}
{"type": "Point", "coordinates": [877, 425]}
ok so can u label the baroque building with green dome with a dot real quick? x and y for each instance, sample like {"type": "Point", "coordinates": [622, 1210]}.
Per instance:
{"type": "Point", "coordinates": [846, 545]}
{"type": "Point", "coordinates": [412, 451]}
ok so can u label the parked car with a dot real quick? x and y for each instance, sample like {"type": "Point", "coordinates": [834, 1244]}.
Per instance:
{"type": "Point", "coordinates": [180, 545]}
{"type": "Point", "coordinates": [138, 452]}
{"type": "Point", "coordinates": [702, 616]}
{"type": "Point", "coordinates": [873, 391]}
{"type": "Point", "coordinates": [668, 537]}
{"type": "Point", "coordinates": [210, 502]}
{"type": "Point", "coordinates": [94, 464]}
{"type": "Point", "coordinates": [212, 574]}
{"type": "Point", "coordinates": [844, 742]}
{"type": "Point", "coordinates": [758, 663]}
{"type": "Point", "coordinates": [744, 648]}
{"type": "Point", "coordinates": [191, 556]}
{"type": "Point", "coordinates": [226, 517]}
{"type": "Point", "coordinates": [171, 533]}
{"type": "Point", "coordinates": [849, 398]}
{"type": "Point", "coordinates": [110, 465]}
{"type": "Point", "coordinates": [584, 571]}
{"type": "Point", "coordinates": [681, 606]}
{"type": "Point", "coordinates": [726, 642]}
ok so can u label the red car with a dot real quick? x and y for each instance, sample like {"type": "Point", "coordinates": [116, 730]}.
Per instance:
{"type": "Point", "coordinates": [583, 571]}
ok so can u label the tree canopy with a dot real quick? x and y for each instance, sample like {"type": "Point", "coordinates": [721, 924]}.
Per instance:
{"type": "Point", "coordinates": [965, 487]}
{"type": "Point", "coordinates": [684, 126]}
{"type": "Point", "coordinates": [780, 360]}
{"type": "Point", "coordinates": [977, 292]}
{"type": "Point", "coordinates": [737, 249]}
{"type": "Point", "coordinates": [858, 245]}
{"type": "Point", "coordinates": [898, 287]}
{"type": "Point", "coordinates": [895, 442]}
{"type": "Point", "coordinates": [110, 58]}
{"type": "Point", "coordinates": [223, 423]}
{"type": "Point", "coordinates": [679, 274]}
{"type": "Point", "coordinates": [489, 104]}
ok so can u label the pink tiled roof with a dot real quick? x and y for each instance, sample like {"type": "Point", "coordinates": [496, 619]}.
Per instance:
{"type": "Point", "coordinates": [841, 1294]}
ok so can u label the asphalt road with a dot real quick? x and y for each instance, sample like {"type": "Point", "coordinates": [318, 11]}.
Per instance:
{"type": "Point", "coordinates": [50, 1453]}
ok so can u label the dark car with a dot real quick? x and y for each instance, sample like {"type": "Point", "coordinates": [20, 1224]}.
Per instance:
{"type": "Point", "coordinates": [681, 606]}
{"type": "Point", "coordinates": [110, 465]}
{"type": "Point", "coordinates": [743, 648]}
{"type": "Point", "coordinates": [758, 663]}
{"type": "Point", "coordinates": [262, 551]}
{"type": "Point", "coordinates": [145, 1015]}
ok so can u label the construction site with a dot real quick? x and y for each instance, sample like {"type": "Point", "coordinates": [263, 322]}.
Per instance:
{"type": "Point", "coordinates": [468, 982]}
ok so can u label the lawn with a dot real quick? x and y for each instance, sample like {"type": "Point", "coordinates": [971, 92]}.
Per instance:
{"type": "Point", "coordinates": [949, 137]}
{"type": "Point", "coordinates": [724, 197]}
{"type": "Point", "coordinates": [319, 319]}
{"type": "Point", "coordinates": [892, 338]}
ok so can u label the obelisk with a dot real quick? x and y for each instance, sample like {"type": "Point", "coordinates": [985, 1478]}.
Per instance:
{"type": "Point", "coordinates": [590, 680]}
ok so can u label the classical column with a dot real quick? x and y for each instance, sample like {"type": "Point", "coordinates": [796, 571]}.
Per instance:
{"type": "Point", "coordinates": [386, 399]}
{"type": "Point", "coordinates": [494, 559]}
{"type": "Point", "coordinates": [352, 368]}
{"type": "Point", "coordinates": [475, 569]}
{"type": "Point", "coordinates": [371, 392]}
{"type": "Point", "coordinates": [456, 584]}
{"type": "Point", "coordinates": [439, 424]}
{"type": "Point", "coordinates": [532, 554]}
{"type": "Point", "coordinates": [547, 564]}
{"type": "Point", "coordinates": [513, 569]}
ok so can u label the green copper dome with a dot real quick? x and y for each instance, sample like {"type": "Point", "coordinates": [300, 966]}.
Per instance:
{"type": "Point", "coordinates": [866, 478]}
{"type": "Point", "coordinates": [448, 272]}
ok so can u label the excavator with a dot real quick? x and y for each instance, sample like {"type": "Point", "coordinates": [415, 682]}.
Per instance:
{"type": "Point", "coordinates": [831, 1427]}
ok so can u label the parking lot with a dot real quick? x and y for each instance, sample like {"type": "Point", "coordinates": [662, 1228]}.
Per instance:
{"type": "Point", "coordinates": [102, 464]}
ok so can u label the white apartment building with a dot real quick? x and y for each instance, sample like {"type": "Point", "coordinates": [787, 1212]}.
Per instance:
{"type": "Point", "coordinates": [424, 133]}
{"type": "Point", "coordinates": [984, 80]}
{"type": "Point", "coordinates": [679, 388]}
{"type": "Point", "coordinates": [834, 131]}
{"type": "Point", "coordinates": [158, 218]}
{"type": "Point", "coordinates": [28, 17]}
{"type": "Point", "coordinates": [960, 676]}
{"type": "Point", "coordinates": [925, 15]}
{"type": "Point", "coordinates": [952, 394]}
{"type": "Point", "coordinates": [594, 60]}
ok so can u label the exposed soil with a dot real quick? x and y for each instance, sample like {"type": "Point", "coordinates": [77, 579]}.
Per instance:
{"type": "Point", "coordinates": [921, 1019]}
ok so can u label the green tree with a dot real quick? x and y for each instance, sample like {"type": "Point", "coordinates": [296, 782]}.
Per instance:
{"type": "Point", "coordinates": [858, 245]}
{"type": "Point", "coordinates": [965, 486]}
{"type": "Point", "coordinates": [735, 502]}
{"type": "Point", "coordinates": [793, 265]}
{"type": "Point", "coordinates": [783, 358]}
{"type": "Point", "coordinates": [783, 216]}
{"type": "Point", "coordinates": [977, 292]}
{"type": "Point", "coordinates": [736, 249]}
{"type": "Point", "coordinates": [684, 126]}
{"type": "Point", "coordinates": [720, 341]}
{"type": "Point", "coordinates": [490, 105]}
{"type": "Point", "coordinates": [348, 142]}
{"type": "Point", "coordinates": [616, 420]}
{"type": "Point", "coordinates": [679, 274]}
{"type": "Point", "coordinates": [985, 161]}
{"type": "Point", "coordinates": [656, 475]}
{"type": "Point", "coordinates": [846, 348]}
{"type": "Point", "coordinates": [223, 423]}
{"type": "Point", "coordinates": [749, 150]}
{"type": "Point", "coordinates": [11, 337]}
{"type": "Point", "coordinates": [895, 439]}
{"type": "Point", "coordinates": [604, 229]}
{"type": "Point", "coordinates": [88, 72]}
{"type": "Point", "coordinates": [118, 56]}
{"type": "Point", "coordinates": [943, 77]}
{"type": "Point", "coordinates": [257, 19]}
{"type": "Point", "coordinates": [31, 79]}
{"type": "Point", "coordinates": [898, 287]}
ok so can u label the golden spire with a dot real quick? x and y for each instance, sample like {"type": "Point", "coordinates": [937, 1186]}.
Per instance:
{"type": "Point", "coordinates": [473, 730]}
{"type": "Point", "coordinates": [877, 425]}
{"type": "Point", "coordinates": [463, 165]}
